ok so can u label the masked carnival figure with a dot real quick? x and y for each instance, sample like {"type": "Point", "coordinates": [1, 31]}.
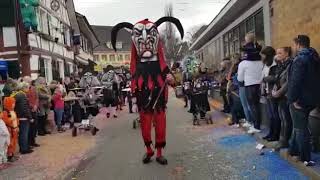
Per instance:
{"type": "Point", "coordinates": [110, 91]}
{"type": "Point", "coordinates": [149, 80]}
{"type": "Point", "coordinates": [88, 80]}
{"type": "Point", "coordinates": [199, 98]}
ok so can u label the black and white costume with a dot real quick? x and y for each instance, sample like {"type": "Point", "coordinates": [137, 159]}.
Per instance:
{"type": "Point", "coordinates": [199, 97]}
{"type": "Point", "coordinates": [110, 91]}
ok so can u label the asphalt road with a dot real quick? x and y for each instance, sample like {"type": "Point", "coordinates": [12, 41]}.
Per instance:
{"type": "Point", "coordinates": [204, 152]}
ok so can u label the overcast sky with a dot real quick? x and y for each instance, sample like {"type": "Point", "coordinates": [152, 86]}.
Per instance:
{"type": "Point", "coordinates": [110, 12]}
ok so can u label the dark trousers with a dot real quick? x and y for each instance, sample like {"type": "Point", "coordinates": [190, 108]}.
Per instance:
{"type": "Point", "coordinates": [236, 109]}
{"type": "Point", "coordinates": [33, 129]}
{"type": "Point", "coordinates": [129, 97]}
{"type": "Point", "coordinates": [300, 142]}
{"type": "Point", "coordinates": [42, 122]}
{"type": "Point", "coordinates": [24, 126]}
{"type": "Point", "coordinates": [253, 98]}
{"type": "Point", "coordinates": [274, 119]}
{"type": "Point", "coordinates": [286, 122]}
{"type": "Point", "coordinates": [226, 105]}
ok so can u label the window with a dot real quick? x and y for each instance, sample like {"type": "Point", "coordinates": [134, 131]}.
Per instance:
{"type": "Point", "coordinates": [250, 25]}
{"type": "Point", "coordinates": [236, 40]}
{"type": "Point", "coordinates": [120, 57]}
{"type": "Point", "coordinates": [259, 27]}
{"type": "Point", "coordinates": [108, 44]}
{"type": "Point", "coordinates": [112, 58]}
{"type": "Point", "coordinates": [66, 36]}
{"type": "Point", "coordinates": [9, 36]}
{"type": "Point", "coordinates": [56, 70]}
{"type": "Point", "coordinates": [127, 57]}
{"type": "Point", "coordinates": [104, 57]}
{"type": "Point", "coordinates": [242, 33]}
{"type": "Point", "coordinates": [67, 69]}
{"type": "Point", "coordinates": [43, 25]}
{"type": "Point", "coordinates": [119, 45]}
{"type": "Point", "coordinates": [226, 46]}
{"type": "Point", "coordinates": [96, 57]}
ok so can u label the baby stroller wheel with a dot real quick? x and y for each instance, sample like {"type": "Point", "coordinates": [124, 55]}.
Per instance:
{"type": "Point", "coordinates": [93, 131]}
{"type": "Point", "coordinates": [74, 131]}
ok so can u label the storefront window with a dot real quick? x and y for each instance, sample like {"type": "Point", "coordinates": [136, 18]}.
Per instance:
{"type": "Point", "coordinates": [259, 27]}
{"type": "Point", "coordinates": [226, 46]}
{"type": "Point", "coordinates": [242, 33]}
{"type": "Point", "coordinates": [250, 25]}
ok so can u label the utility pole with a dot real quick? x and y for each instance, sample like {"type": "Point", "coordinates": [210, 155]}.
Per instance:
{"type": "Point", "coordinates": [17, 23]}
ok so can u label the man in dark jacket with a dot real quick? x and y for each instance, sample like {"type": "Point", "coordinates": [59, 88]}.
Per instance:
{"type": "Point", "coordinates": [303, 95]}
{"type": "Point", "coordinates": [24, 115]}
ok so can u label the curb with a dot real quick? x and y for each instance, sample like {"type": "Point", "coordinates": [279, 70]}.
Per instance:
{"type": "Point", "coordinates": [311, 172]}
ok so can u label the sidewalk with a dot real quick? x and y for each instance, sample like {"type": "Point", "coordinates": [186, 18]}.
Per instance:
{"type": "Point", "coordinates": [57, 155]}
{"type": "Point", "coordinates": [312, 172]}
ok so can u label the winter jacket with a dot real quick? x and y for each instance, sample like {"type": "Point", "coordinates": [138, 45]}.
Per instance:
{"type": "Point", "coordinates": [269, 78]}
{"type": "Point", "coordinates": [251, 52]}
{"type": "Point", "coordinates": [58, 100]}
{"type": "Point", "coordinates": [22, 106]}
{"type": "Point", "coordinates": [33, 98]}
{"type": "Point", "coordinates": [304, 78]}
{"type": "Point", "coordinates": [44, 100]}
{"type": "Point", "coordinates": [249, 72]}
{"type": "Point", "coordinates": [281, 85]}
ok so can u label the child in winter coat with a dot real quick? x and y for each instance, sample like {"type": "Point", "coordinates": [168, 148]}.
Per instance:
{"type": "Point", "coordinates": [4, 142]}
{"type": "Point", "coordinates": [9, 116]}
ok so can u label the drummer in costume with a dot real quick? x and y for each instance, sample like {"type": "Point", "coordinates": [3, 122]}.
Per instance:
{"type": "Point", "coordinates": [149, 80]}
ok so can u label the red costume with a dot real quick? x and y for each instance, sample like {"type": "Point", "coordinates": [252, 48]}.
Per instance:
{"type": "Point", "coordinates": [148, 72]}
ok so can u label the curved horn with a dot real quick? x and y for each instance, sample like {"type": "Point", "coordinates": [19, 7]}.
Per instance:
{"type": "Point", "coordinates": [173, 20]}
{"type": "Point", "coordinates": [115, 30]}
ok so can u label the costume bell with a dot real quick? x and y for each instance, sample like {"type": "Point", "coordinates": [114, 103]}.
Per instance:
{"type": "Point", "coordinates": [149, 80]}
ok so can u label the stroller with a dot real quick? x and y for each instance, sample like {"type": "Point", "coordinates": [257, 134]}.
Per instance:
{"type": "Point", "coordinates": [89, 110]}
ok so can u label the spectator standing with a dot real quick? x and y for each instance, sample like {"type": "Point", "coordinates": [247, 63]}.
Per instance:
{"type": "Point", "coordinates": [303, 95]}
{"type": "Point", "coordinates": [269, 73]}
{"type": "Point", "coordinates": [33, 99]}
{"type": "Point", "coordinates": [58, 108]}
{"type": "Point", "coordinates": [44, 106]}
{"type": "Point", "coordinates": [279, 92]}
{"type": "Point", "coordinates": [233, 89]}
{"type": "Point", "coordinates": [225, 69]}
{"type": "Point", "coordinates": [249, 76]}
{"type": "Point", "coordinates": [24, 115]}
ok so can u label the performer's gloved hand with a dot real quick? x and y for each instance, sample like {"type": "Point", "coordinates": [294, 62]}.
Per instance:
{"type": "Point", "coordinates": [170, 79]}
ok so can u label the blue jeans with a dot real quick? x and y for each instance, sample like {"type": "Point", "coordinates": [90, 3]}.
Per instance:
{"type": "Point", "coordinates": [58, 115]}
{"type": "Point", "coordinates": [300, 142]}
{"type": "Point", "coordinates": [245, 104]}
{"type": "Point", "coordinates": [24, 126]}
{"type": "Point", "coordinates": [236, 109]}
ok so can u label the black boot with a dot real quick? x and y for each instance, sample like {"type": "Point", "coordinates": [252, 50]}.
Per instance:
{"type": "Point", "coordinates": [147, 158]}
{"type": "Point", "coordinates": [162, 160]}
